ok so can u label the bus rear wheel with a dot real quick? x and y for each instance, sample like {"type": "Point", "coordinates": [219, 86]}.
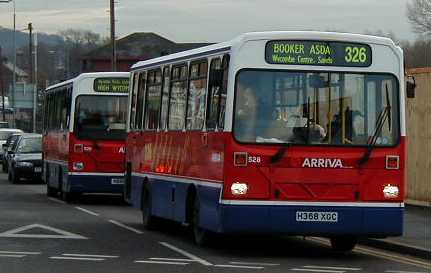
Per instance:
{"type": "Point", "coordinates": [148, 220]}
{"type": "Point", "coordinates": [343, 243]}
{"type": "Point", "coordinates": [202, 237]}
{"type": "Point", "coordinates": [50, 191]}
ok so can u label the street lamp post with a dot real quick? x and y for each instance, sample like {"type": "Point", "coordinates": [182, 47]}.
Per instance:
{"type": "Point", "coordinates": [14, 56]}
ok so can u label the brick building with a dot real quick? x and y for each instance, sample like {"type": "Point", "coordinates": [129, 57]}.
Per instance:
{"type": "Point", "coordinates": [132, 49]}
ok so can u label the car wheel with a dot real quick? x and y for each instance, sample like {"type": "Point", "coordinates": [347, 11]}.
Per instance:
{"type": "Point", "coordinates": [14, 177]}
{"type": "Point", "coordinates": [202, 237]}
{"type": "Point", "coordinates": [343, 243]}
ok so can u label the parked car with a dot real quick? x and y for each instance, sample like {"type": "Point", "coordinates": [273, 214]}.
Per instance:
{"type": "Point", "coordinates": [26, 158]}
{"type": "Point", "coordinates": [4, 134]}
{"type": "Point", "coordinates": [8, 146]}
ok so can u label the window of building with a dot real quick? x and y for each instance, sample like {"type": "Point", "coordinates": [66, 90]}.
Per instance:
{"type": "Point", "coordinates": [152, 102]}
{"type": "Point", "coordinates": [177, 104]}
{"type": "Point", "coordinates": [196, 97]}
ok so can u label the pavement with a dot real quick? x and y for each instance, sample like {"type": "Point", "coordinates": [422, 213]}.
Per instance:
{"type": "Point", "coordinates": [99, 233]}
{"type": "Point", "coordinates": [416, 240]}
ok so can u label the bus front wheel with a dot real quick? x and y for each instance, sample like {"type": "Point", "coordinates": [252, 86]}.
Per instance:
{"type": "Point", "coordinates": [201, 236]}
{"type": "Point", "coordinates": [343, 243]}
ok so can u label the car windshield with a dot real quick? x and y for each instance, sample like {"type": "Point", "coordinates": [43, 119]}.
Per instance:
{"type": "Point", "coordinates": [5, 134]}
{"type": "Point", "coordinates": [315, 108]}
{"type": "Point", "coordinates": [30, 145]}
{"type": "Point", "coordinates": [101, 117]}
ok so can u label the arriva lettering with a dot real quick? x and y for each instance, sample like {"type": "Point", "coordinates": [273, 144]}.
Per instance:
{"type": "Point", "coordinates": [122, 150]}
{"type": "Point", "coordinates": [322, 163]}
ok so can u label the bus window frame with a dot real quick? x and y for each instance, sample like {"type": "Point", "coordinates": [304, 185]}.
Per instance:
{"type": "Point", "coordinates": [206, 77]}
{"type": "Point", "coordinates": [147, 85]}
{"type": "Point", "coordinates": [141, 79]}
{"type": "Point", "coordinates": [171, 82]}
{"type": "Point", "coordinates": [168, 68]}
{"type": "Point", "coordinates": [397, 141]}
{"type": "Point", "coordinates": [210, 95]}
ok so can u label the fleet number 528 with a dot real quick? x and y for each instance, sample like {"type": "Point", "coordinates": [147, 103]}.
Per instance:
{"type": "Point", "coordinates": [355, 54]}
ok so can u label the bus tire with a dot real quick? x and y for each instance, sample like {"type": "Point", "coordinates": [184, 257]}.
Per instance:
{"type": "Point", "coordinates": [50, 191]}
{"type": "Point", "coordinates": [148, 220]}
{"type": "Point", "coordinates": [68, 197]}
{"type": "Point", "coordinates": [343, 243]}
{"type": "Point", "coordinates": [202, 237]}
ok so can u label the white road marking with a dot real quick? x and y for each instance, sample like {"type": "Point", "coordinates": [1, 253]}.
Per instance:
{"type": "Point", "coordinates": [238, 266]}
{"type": "Point", "coordinates": [380, 254]}
{"type": "Point", "coordinates": [317, 270]}
{"type": "Point", "coordinates": [90, 255]}
{"type": "Point", "coordinates": [262, 264]}
{"type": "Point", "coordinates": [20, 253]}
{"type": "Point", "coordinates": [56, 200]}
{"type": "Point", "coordinates": [397, 271]}
{"type": "Point", "coordinates": [185, 253]}
{"type": "Point", "coordinates": [61, 234]}
{"type": "Point", "coordinates": [87, 211]}
{"type": "Point", "coordinates": [12, 255]}
{"type": "Point", "coordinates": [172, 259]}
{"type": "Point", "coordinates": [333, 267]}
{"type": "Point", "coordinates": [126, 227]}
{"type": "Point", "coordinates": [76, 258]}
{"type": "Point", "coordinates": [160, 262]}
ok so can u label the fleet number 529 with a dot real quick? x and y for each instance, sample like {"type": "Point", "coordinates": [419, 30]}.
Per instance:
{"type": "Point", "coordinates": [355, 54]}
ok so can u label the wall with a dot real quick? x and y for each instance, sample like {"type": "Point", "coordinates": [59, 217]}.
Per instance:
{"type": "Point", "coordinates": [418, 122]}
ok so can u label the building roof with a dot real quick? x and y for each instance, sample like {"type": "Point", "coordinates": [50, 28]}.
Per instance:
{"type": "Point", "coordinates": [141, 45]}
{"type": "Point", "coordinates": [420, 70]}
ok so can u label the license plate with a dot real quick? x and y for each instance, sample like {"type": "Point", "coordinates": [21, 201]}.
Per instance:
{"type": "Point", "coordinates": [117, 181]}
{"type": "Point", "coordinates": [316, 216]}
{"type": "Point", "coordinates": [38, 169]}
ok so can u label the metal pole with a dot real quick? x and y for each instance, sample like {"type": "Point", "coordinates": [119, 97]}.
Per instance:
{"type": "Point", "coordinates": [35, 84]}
{"type": "Point", "coordinates": [114, 49]}
{"type": "Point", "coordinates": [2, 84]}
{"type": "Point", "coordinates": [14, 64]}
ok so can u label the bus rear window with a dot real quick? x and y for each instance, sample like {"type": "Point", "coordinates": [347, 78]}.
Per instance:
{"type": "Point", "coordinates": [100, 117]}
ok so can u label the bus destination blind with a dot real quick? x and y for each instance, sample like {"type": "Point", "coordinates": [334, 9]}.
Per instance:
{"type": "Point", "coordinates": [111, 85]}
{"type": "Point", "coordinates": [318, 53]}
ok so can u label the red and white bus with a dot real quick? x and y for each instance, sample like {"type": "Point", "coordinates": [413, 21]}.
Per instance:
{"type": "Point", "coordinates": [298, 133]}
{"type": "Point", "coordinates": [84, 134]}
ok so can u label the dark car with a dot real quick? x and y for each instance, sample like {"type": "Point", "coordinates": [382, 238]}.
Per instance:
{"type": "Point", "coordinates": [8, 146]}
{"type": "Point", "coordinates": [26, 158]}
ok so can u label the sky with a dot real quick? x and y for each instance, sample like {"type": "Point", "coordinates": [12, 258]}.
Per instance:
{"type": "Point", "coordinates": [212, 20]}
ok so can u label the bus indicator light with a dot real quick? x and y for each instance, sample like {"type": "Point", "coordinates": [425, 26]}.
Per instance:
{"type": "Point", "coordinates": [392, 162]}
{"type": "Point", "coordinates": [240, 159]}
{"type": "Point", "coordinates": [78, 148]}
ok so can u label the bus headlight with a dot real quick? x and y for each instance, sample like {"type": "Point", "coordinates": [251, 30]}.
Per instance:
{"type": "Point", "coordinates": [78, 166]}
{"type": "Point", "coordinates": [390, 191]}
{"type": "Point", "coordinates": [239, 188]}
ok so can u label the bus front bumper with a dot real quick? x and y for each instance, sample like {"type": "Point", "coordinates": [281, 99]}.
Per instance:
{"type": "Point", "coordinates": [376, 222]}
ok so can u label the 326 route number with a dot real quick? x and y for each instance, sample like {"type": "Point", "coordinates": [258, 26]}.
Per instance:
{"type": "Point", "coordinates": [355, 54]}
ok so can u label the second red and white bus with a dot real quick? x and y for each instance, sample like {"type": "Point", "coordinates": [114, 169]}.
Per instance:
{"type": "Point", "coordinates": [300, 133]}
{"type": "Point", "coordinates": [84, 134]}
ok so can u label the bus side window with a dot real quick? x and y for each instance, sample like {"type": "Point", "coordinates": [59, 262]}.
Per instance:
{"type": "Point", "coordinates": [165, 99]}
{"type": "Point", "coordinates": [140, 101]}
{"type": "Point", "coordinates": [133, 100]}
{"type": "Point", "coordinates": [152, 101]}
{"type": "Point", "coordinates": [213, 98]}
{"type": "Point", "coordinates": [222, 108]}
{"type": "Point", "coordinates": [177, 103]}
{"type": "Point", "coordinates": [196, 97]}
{"type": "Point", "coordinates": [68, 105]}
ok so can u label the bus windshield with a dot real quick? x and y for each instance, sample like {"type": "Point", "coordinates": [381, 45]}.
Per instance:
{"type": "Point", "coordinates": [100, 117]}
{"type": "Point", "coordinates": [316, 108]}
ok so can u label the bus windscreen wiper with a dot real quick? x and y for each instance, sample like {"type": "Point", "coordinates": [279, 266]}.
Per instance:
{"type": "Point", "coordinates": [280, 153]}
{"type": "Point", "coordinates": [384, 115]}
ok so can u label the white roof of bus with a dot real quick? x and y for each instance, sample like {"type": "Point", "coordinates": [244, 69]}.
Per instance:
{"type": "Point", "coordinates": [274, 35]}
{"type": "Point", "coordinates": [90, 75]}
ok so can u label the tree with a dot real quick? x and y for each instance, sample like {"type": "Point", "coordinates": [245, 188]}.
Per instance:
{"type": "Point", "coordinates": [419, 15]}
